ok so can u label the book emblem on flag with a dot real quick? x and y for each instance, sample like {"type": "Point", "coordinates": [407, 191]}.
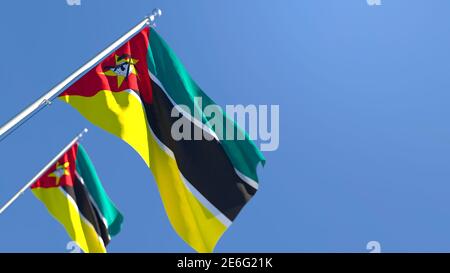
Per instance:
{"type": "Point", "coordinates": [60, 171]}
{"type": "Point", "coordinates": [125, 66]}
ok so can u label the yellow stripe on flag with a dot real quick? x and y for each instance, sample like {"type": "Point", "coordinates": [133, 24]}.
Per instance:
{"type": "Point", "coordinates": [123, 115]}
{"type": "Point", "coordinates": [63, 209]}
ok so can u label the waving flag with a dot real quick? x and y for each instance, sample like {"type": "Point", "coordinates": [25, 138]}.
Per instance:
{"type": "Point", "coordinates": [73, 195]}
{"type": "Point", "coordinates": [203, 184]}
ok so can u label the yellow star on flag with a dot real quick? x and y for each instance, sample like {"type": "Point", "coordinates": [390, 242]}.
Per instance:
{"type": "Point", "coordinates": [60, 171]}
{"type": "Point", "coordinates": [123, 68]}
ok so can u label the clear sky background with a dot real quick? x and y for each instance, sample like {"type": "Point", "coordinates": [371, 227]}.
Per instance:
{"type": "Point", "coordinates": [364, 95]}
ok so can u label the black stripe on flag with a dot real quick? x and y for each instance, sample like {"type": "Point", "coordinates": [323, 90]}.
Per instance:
{"type": "Point", "coordinates": [87, 209]}
{"type": "Point", "coordinates": [203, 163]}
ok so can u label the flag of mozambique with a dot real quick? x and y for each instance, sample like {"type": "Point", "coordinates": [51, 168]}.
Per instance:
{"type": "Point", "coordinates": [73, 195]}
{"type": "Point", "coordinates": [202, 183]}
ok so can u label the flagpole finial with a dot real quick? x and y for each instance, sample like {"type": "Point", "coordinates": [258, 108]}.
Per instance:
{"type": "Point", "coordinates": [152, 16]}
{"type": "Point", "coordinates": [85, 130]}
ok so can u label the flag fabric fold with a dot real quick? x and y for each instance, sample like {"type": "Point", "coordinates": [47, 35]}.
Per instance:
{"type": "Point", "coordinates": [75, 197]}
{"type": "Point", "coordinates": [203, 183]}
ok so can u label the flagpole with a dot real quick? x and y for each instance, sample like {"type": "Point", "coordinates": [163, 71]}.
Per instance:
{"type": "Point", "coordinates": [41, 172]}
{"type": "Point", "coordinates": [60, 87]}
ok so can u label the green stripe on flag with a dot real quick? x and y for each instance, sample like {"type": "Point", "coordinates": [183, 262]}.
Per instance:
{"type": "Point", "coordinates": [86, 170]}
{"type": "Point", "coordinates": [165, 65]}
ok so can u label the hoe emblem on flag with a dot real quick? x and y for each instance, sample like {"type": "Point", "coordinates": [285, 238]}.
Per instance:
{"type": "Point", "coordinates": [60, 171]}
{"type": "Point", "coordinates": [124, 67]}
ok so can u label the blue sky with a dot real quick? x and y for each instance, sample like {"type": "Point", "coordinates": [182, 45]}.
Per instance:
{"type": "Point", "coordinates": [364, 104]}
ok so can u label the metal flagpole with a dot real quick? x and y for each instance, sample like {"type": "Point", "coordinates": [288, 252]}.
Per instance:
{"type": "Point", "coordinates": [39, 174]}
{"type": "Point", "coordinates": [60, 87]}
